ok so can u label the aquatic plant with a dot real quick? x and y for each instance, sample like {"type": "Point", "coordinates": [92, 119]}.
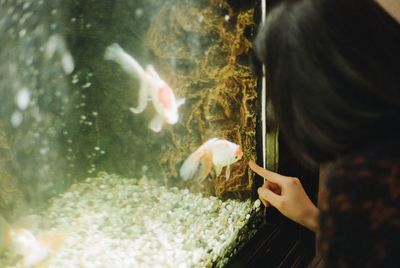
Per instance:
{"type": "Point", "coordinates": [220, 89]}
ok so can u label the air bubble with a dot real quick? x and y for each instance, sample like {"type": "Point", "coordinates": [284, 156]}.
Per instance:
{"type": "Point", "coordinates": [139, 12]}
{"type": "Point", "coordinates": [23, 98]}
{"type": "Point", "coordinates": [22, 33]}
{"type": "Point", "coordinates": [16, 119]}
{"type": "Point", "coordinates": [67, 62]}
{"type": "Point", "coordinates": [87, 85]}
{"type": "Point", "coordinates": [44, 151]}
{"type": "Point", "coordinates": [75, 79]}
{"type": "Point", "coordinates": [10, 10]}
{"type": "Point", "coordinates": [145, 168]}
{"type": "Point", "coordinates": [26, 5]}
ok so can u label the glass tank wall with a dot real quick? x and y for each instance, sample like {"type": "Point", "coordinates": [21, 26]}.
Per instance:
{"type": "Point", "coordinates": [125, 131]}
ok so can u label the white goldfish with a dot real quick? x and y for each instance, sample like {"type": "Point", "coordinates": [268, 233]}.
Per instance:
{"type": "Point", "coordinates": [33, 250]}
{"type": "Point", "coordinates": [151, 87]}
{"type": "Point", "coordinates": [217, 153]}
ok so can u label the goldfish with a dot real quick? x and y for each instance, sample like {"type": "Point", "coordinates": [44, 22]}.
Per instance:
{"type": "Point", "coordinates": [34, 250]}
{"type": "Point", "coordinates": [152, 87]}
{"type": "Point", "coordinates": [214, 153]}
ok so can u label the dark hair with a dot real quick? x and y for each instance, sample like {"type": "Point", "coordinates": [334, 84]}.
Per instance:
{"type": "Point", "coordinates": [333, 69]}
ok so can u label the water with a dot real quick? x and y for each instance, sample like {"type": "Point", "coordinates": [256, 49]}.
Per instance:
{"type": "Point", "coordinates": [65, 117]}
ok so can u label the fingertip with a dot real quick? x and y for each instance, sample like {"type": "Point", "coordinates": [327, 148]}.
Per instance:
{"type": "Point", "coordinates": [255, 168]}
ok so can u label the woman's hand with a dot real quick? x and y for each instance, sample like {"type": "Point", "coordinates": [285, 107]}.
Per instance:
{"type": "Point", "coordinates": [288, 196]}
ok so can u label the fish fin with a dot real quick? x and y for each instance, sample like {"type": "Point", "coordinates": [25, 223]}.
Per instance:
{"type": "Point", "coordinates": [53, 240]}
{"type": "Point", "coordinates": [180, 102]}
{"type": "Point", "coordinates": [152, 72]}
{"type": "Point", "coordinates": [218, 170]}
{"type": "Point", "coordinates": [115, 53]}
{"type": "Point", "coordinates": [26, 245]}
{"type": "Point", "coordinates": [156, 123]}
{"type": "Point", "coordinates": [42, 251]}
{"type": "Point", "coordinates": [205, 166]}
{"type": "Point", "coordinates": [197, 166]}
{"type": "Point", "coordinates": [143, 98]}
{"type": "Point", "coordinates": [227, 172]}
{"type": "Point", "coordinates": [210, 142]}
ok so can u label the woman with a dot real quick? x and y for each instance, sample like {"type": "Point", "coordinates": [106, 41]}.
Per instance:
{"type": "Point", "coordinates": [334, 80]}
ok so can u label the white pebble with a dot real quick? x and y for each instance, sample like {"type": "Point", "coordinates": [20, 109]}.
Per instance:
{"type": "Point", "coordinates": [119, 222]}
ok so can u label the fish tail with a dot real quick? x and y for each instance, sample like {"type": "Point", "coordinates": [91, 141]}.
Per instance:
{"type": "Point", "coordinates": [197, 166]}
{"type": "Point", "coordinates": [115, 53]}
{"type": "Point", "coordinates": [189, 167]}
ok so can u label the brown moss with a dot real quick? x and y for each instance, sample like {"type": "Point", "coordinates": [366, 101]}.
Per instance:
{"type": "Point", "coordinates": [220, 93]}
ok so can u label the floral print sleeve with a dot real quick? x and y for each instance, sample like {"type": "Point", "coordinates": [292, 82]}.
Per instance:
{"type": "Point", "coordinates": [360, 210]}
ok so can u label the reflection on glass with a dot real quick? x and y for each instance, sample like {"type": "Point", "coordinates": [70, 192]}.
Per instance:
{"type": "Point", "coordinates": [125, 131]}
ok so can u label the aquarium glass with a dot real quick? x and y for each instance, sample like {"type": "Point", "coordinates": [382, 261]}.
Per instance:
{"type": "Point", "coordinates": [125, 131]}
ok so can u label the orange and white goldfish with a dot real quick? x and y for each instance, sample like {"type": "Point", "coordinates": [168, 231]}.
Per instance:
{"type": "Point", "coordinates": [217, 153]}
{"type": "Point", "coordinates": [151, 87]}
{"type": "Point", "coordinates": [33, 250]}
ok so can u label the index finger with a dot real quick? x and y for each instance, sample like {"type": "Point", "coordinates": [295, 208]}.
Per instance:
{"type": "Point", "coordinates": [267, 174]}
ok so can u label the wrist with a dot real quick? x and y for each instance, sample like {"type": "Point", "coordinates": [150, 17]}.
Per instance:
{"type": "Point", "coordinates": [311, 221]}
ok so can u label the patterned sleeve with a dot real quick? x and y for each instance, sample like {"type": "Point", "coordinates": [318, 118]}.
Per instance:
{"type": "Point", "coordinates": [360, 212]}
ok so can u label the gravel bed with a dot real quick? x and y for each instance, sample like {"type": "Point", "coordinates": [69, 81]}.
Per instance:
{"type": "Point", "coordinates": [112, 221]}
